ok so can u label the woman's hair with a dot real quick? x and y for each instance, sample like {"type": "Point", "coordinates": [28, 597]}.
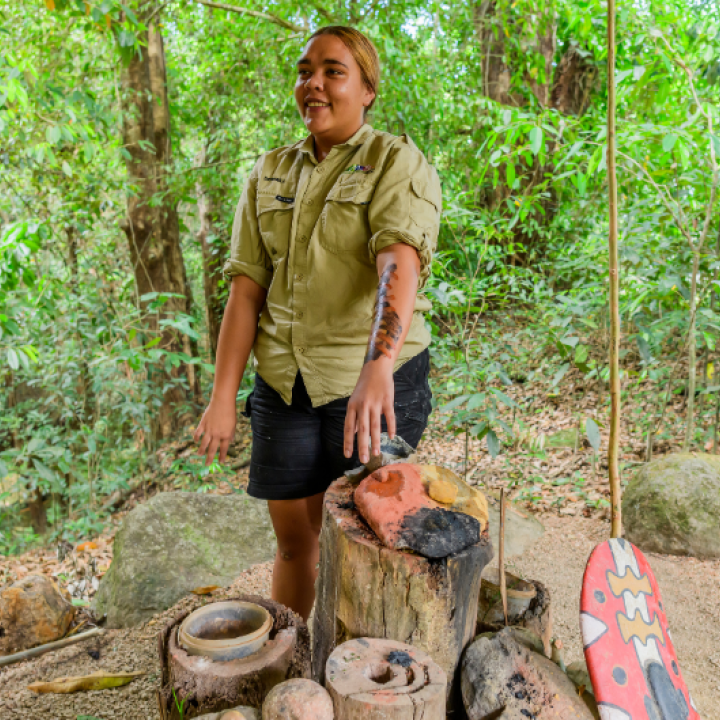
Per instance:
{"type": "Point", "coordinates": [362, 49]}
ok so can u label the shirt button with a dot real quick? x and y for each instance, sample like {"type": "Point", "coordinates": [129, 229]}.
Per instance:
{"type": "Point", "coordinates": [303, 238]}
{"type": "Point", "coordinates": [309, 201]}
{"type": "Point", "coordinates": [273, 251]}
{"type": "Point", "coordinates": [300, 276]}
{"type": "Point", "coordinates": [300, 313]}
{"type": "Point", "coordinates": [301, 351]}
{"type": "Point", "coordinates": [320, 169]}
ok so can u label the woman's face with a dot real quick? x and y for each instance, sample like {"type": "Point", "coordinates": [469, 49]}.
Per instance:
{"type": "Point", "coordinates": [330, 93]}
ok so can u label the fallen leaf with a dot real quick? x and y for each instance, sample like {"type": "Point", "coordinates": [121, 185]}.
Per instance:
{"type": "Point", "coordinates": [90, 545]}
{"type": "Point", "coordinates": [99, 680]}
{"type": "Point", "coordinates": [205, 590]}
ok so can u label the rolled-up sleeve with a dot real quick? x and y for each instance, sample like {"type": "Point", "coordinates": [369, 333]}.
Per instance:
{"type": "Point", "coordinates": [247, 253]}
{"type": "Point", "coordinates": [406, 206]}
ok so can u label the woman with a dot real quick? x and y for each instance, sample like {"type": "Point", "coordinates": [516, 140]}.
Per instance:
{"type": "Point", "coordinates": [332, 239]}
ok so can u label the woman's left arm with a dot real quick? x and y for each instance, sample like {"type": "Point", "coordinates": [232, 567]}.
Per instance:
{"type": "Point", "coordinates": [398, 268]}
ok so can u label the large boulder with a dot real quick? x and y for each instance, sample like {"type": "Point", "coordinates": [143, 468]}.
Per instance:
{"type": "Point", "coordinates": [673, 506]}
{"type": "Point", "coordinates": [33, 612]}
{"type": "Point", "coordinates": [501, 677]}
{"type": "Point", "coordinates": [177, 542]}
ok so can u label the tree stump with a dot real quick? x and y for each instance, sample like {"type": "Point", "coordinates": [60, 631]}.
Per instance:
{"type": "Point", "coordinates": [367, 590]}
{"type": "Point", "coordinates": [371, 679]}
{"type": "Point", "coordinates": [206, 686]}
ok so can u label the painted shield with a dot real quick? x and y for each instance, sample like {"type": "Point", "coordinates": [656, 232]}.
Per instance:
{"type": "Point", "coordinates": [628, 649]}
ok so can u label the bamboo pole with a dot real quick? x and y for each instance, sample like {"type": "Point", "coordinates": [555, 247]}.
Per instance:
{"type": "Point", "coordinates": [41, 649]}
{"type": "Point", "coordinates": [501, 557]}
{"type": "Point", "coordinates": [613, 450]}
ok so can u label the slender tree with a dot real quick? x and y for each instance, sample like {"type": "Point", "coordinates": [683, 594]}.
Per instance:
{"type": "Point", "coordinates": [613, 450]}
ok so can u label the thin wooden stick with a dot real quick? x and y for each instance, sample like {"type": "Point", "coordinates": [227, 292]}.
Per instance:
{"type": "Point", "coordinates": [501, 556]}
{"type": "Point", "coordinates": [42, 649]}
{"type": "Point", "coordinates": [614, 448]}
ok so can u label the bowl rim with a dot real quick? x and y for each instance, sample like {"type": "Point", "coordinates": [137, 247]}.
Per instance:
{"type": "Point", "coordinates": [187, 640]}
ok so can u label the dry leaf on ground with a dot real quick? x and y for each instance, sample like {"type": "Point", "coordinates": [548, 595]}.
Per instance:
{"type": "Point", "coordinates": [99, 680]}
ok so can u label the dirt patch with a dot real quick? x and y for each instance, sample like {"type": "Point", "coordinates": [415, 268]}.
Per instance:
{"type": "Point", "coordinates": [688, 587]}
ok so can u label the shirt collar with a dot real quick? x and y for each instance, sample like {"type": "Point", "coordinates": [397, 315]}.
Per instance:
{"type": "Point", "coordinates": [308, 145]}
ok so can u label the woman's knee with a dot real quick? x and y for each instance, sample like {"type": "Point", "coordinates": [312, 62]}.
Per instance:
{"type": "Point", "coordinates": [296, 530]}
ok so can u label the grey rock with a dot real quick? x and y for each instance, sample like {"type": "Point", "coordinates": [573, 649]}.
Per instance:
{"type": "Point", "coordinates": [521, 528]}
{"type": "Point", "coordinates": [501, 678]}
{"type": "Point", "coordinates": [177, 542]}
{"type": "Point", "coordinates": [391, 452]}
{"type": "Point", "coordinates": [672, 506]}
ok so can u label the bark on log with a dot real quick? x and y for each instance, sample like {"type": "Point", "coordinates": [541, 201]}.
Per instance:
{"type": "Point", "coordinates": [206, 686]}
{"type": "Point", "coordinates": [371, 679]}
{"type": "Point", "coordinates": [367, 590]}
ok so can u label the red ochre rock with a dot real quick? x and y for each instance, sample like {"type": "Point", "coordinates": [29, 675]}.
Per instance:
{"type": "Point", "coordinates": [394, 502]}
{"type": "Point", "coordinates": [298, 699]}
{"type": "Point", "coordinates": [33, 612]}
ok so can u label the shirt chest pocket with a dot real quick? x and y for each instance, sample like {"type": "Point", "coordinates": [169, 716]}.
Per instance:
{"type": "Point", "coordinates": [274, 214]}
{"type": "Point", "coordinates": [344, 225]}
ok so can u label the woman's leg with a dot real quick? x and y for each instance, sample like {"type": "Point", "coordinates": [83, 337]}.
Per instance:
{"type": "Point", "coordinates": [297, 527]}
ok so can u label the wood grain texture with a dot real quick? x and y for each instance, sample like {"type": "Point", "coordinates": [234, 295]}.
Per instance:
{"type": "Point", "coordinates": [367, 590]}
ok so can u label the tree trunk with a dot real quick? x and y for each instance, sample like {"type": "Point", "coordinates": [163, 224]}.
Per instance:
{"type": "Point", "coordinates": [692, 358]}
{"type": "Point", "coordinates": [367, 590]}
{"type": "Point", "coordinates": [213, 258]}
{"type": "Point", "coordinates": [151, 224]}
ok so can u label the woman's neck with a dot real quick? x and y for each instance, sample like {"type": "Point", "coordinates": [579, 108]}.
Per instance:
{"type": "Point", "coordinates": [325, 143]}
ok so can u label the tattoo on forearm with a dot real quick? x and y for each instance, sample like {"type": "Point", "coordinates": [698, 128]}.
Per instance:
{"type": "Point", "coordinates": [386, 327]}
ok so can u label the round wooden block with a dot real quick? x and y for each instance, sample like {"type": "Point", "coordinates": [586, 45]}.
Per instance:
{"type": "Point", "coordinates": [209, 686]}
{"type": "Point", "coordinates": [367, 590]}
{"type": "Point", "coordinates": [372, 679]}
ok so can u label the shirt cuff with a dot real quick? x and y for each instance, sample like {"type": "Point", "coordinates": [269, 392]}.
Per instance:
{"type": "Point", "coordinates": [380, 240]}
{"type": "Point", "coordinates": [259, 274]}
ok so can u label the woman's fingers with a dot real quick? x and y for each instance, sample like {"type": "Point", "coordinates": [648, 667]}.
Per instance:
{"type": "Point", "coordinates": [224, 445]}
{"type": "Point", "coordinates": [389, 413]}
{"type": "Point", "coordinates": [211, 451]}
{"type": "Point", "coordinates": [363, 431]}
{"type": "Point", "coordinates": [350, 417]}
{"type": "Point", "coordinates": [200, 429]}
{"type": "Point", "coordinates": [375, 428]}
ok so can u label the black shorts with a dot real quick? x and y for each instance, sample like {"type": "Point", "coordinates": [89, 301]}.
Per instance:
{"type": "Point", "coordinates": [297, 450]}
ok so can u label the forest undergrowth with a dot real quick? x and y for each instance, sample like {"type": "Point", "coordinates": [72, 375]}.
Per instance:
{"type": "Point", "coordinates": [550, 462]}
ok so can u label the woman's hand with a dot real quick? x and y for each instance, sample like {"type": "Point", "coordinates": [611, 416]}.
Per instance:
{"type": "Point", "coordinates": [373, 397]}
{"type": "Point", "coordinates": [217, 428]}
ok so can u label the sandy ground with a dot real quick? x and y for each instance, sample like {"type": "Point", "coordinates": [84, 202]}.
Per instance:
{"type": "Point", "coordinates": [689, 588]}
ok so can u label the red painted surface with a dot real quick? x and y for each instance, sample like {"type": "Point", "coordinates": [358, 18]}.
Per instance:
{"type": "Point", "coordinates": [387, 496]}
{"type": "Point", "coordinates": [625, 632]}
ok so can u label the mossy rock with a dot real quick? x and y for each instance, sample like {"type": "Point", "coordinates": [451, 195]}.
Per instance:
{"type": "Point", "coordinates": [673, 506]}
{"type": "Point", "coordinates": [176, 542]}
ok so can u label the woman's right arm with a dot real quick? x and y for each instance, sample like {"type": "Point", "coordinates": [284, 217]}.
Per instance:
{"type": "Point", "coordinates": [237, 336]}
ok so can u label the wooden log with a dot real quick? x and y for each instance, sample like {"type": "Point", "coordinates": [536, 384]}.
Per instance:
{"type": "Point", "coordinates": [371, 679]}
{"type": "Point", "coordinates": [205, 686]}
{"type": "Point", "coordinates": [367, 590]}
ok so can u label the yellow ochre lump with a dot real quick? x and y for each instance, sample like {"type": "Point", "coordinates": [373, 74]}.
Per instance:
{"type": "Point", "coordinates": [442, 491]}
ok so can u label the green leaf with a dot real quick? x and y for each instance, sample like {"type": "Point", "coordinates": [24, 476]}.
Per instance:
{"type": "Point", "coordinates": [716, 144]}
{"type": "Point", "coordinates": [502, 397]}
{"type": "Point", "coordinates": [67, 169]}
{"type": "Point", "coordinates": [593, 433]}
{"type": "Point", "coordinates": [3, 469]}
{"type": "Point", "coordinates": [13, 359]}
{"type": "Point", "coordinates": [493, 444]}
{"type": "Point", "coordinates": [669, 141]}
{"type": "Point", "coordinates": [53, 134]}
{"type": "Point", "coordinates": [510, 173]}
{"type": "Point", "coordinates": [79, 602]}
{"type": "Point", "coordinates": [455, 403]}
{"type": "Point", "coordinates": [536, 140]}
{"type": "Point", "coordinates": [45, 472]}
{"type": "Point", "coordinates": [476, 401]}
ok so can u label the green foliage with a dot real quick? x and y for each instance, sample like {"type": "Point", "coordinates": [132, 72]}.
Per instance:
{"type": "Point", "coordinates": [524, 226]}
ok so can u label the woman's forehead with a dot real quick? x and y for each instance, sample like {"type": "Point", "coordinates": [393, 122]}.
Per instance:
{"type": "Point", "coordinates": [325, 48]}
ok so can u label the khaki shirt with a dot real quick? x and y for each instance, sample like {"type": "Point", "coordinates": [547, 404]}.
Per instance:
{"type": "Point", "coordinates": [309, 234]}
